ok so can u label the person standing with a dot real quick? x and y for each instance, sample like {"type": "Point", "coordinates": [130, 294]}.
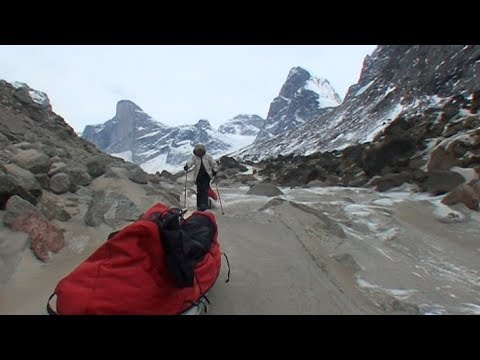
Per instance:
{"type": "Point", "coordinates": [205, 168]}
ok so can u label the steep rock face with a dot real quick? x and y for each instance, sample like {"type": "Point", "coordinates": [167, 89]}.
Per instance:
{"type": "Point", "coordinates": [395, 80]}
{"type": "Point", "coordinates": [301, 98]}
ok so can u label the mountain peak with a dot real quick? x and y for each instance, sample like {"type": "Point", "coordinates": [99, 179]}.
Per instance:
{"type": "Point", "coordinates": [126, 107]}
{"type": "Point", "coordinates": [300, 100]}
{"type": "Point", "coordinates": [296, 79]}
{"type": "Point", "coordinates": [298, 71]}
{"type": "Point", "coordinates": [203, 124]}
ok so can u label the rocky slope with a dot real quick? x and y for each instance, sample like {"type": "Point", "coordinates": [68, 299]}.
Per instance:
{"type": "Point", "coordinates": [54, 185]}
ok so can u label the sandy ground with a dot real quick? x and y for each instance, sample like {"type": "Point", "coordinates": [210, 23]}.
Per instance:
{"type": "Point", "coordinates": [350, 251]}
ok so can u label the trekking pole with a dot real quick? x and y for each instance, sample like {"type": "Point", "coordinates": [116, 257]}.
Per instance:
{"type": "Point", "coordinates": [185, 202]}
{"type": "Point", "coordinates": [219, 198]}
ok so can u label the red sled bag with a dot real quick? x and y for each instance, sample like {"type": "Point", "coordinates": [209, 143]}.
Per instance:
{"type": "Point", "coordinates": [158, 265]}
{"type": "Point", "coordinates": [212, 194]}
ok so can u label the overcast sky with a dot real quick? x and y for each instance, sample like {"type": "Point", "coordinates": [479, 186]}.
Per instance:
{"type": "Point", "coordinates": [175, 84]}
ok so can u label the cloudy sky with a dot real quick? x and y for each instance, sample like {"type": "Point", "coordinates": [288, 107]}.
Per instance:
{"type": "Point", "coordinates": [176, 84]}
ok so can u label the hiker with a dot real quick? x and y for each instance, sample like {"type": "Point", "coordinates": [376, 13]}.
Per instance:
{"type": "Point", "coordinates": [205, 169]}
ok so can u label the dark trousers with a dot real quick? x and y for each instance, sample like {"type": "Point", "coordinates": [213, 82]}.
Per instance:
{"type": "Point", "coordinates": [203, 183]}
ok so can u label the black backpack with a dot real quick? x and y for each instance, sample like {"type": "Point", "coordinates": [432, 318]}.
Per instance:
{"type": "Point", "coordinates": [185, 242]}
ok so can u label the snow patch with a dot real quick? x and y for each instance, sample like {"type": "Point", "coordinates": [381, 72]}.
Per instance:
{"type": "Point", "coordinates": [467, 173]}
{"type": "Point", "coordinates": [389, 90]}
{"type": "Point", "coordinates": [357, 210]}
{"type": "Point", "coordinates": [388, 234]}
{"type": "Point", "coordinates": [445, 214]}
{"type": "Point", "coordinates": [391, 115]}
{"type": "Point", "coordinates": [383, 202]}
{"type": "Point", "coordinates": [126, 155]}
{"type": "Point", "coordinates": [158, 163]}
{"type": "Point", "coordinates": [38, 97]}
{"type": "Point", "coordinates": [18, 84]}
{"type": "Point", "coordinates": [471, 308]}
{"type": "Point", "coordinates": [399, 294]}
{"type": "Point", "coordinates": [364, 88]}
{"type": "Point", "coordinates": [150, 134]}
{"type": "Point", "coordinates": [327, 97]}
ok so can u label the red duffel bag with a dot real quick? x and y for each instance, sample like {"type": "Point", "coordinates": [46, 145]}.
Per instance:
{"type": "Point", "coordinates": [158, 265]}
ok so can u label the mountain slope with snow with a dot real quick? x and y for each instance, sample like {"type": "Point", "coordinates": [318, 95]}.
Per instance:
{"type": "Point", "coordinates": [395, 80]}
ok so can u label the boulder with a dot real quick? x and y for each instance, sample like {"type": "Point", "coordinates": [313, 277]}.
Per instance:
{"type": "Point", "coordinates": [25, 179]}
{"type": "Point", "coordinates": [97, 164]}
{"type": "Point", "coordinates": [9, 187]}
{"type": "Point", "coordinates": [32, 160]}
{"type": "Point", "coordinates": [443, 181]}
{"type": "Point", "coordinates": [15, 207]}
{"type": "Point", "coordinates": [265, 190]}
{"type": "Point", "coordinates": [464, 194]}
{"type": "Point", "coordinates": [52, 211]}
{"type": "Point", "coordinates": [60, 183]}
{"type": "Point", "coordinates": [111, 208]}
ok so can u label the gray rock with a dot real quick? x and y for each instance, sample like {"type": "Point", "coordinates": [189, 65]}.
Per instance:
{"type": "Point", "coordinates": [137, 175]}
{"type": "Point", "coordinates": [17, 206]}
{"type": "Point", "coordinates": [8, 188]}
{"type": "Point", "coordinates": [117, 173]}
{"type": "Point", "coordinates": [111, 208]}
{"type": "Point", "coordinates": [154, 179]}
{"type": "Point", "coordinates": [272, 203]}
{"type": "Point", "coordinates": [52, 211]}
{"type": "Point", "coordinates": [442, 181]}
{"type": "Point", "coordinates": [97, 164]}
{"type": "Point", "coordinates": [60, 183]}
{"type": "Point", "coordinates": [43, 180]}
{"type": "Point", "coordinates": [32, 160]}
{"type": "Point", "coordinates": [348, 261]}
{"type": "Point", "coordinates": [23, 95]}
{"type": "Point", "coordinates": [56, 168]}
{"type": "Point", "coordinates": [165, 197]}
{"type": "Point", "coordinates": [79, 175]}
{"type": "Point", "coordinates": [25, 179]}
{"type": "Point", "coordinates": [24, 145]}
{"type": "Point", "coordinates": [77, 172]}
{"type": "Point", "coordinates": [328, 224]}
{"type": "Point", "coordinates": [265, 190]}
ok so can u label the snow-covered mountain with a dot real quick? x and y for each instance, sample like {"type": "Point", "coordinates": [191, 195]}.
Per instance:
{"type": "Point", "coordinates": [395, 80]}
{"type": "Point", "coordinates": [134, 136]}
{"type": "Point", "coordinates": [301, 98]}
